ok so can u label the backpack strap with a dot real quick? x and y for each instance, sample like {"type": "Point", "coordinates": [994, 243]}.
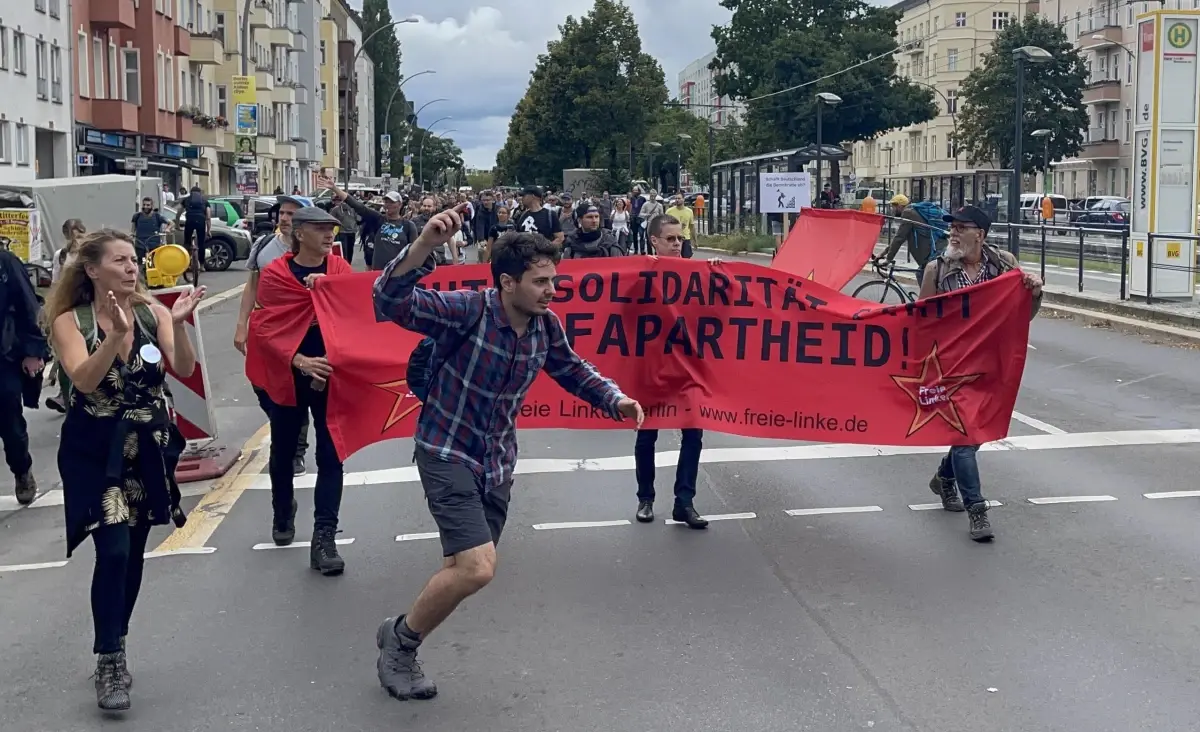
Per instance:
{"type": "Point", "coordinates": [148, 320]}
{"type": "Point", "coordinates": [85, 321]}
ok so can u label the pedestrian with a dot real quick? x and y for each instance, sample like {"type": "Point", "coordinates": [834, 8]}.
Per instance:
{"type": "Point", "coordinates": [502, 226]}
{"type": "Point", "coordinates": [567, 220]}
{"type": "Point", "coordinates": [494, 344]}
{"type": "Point", "coordinates": [914, 232]}
{"type": "Point", "coordinates": [73, 231]}
{"type": "Point", "coordinates": [590, 240]}
{"type": "Point", "coordinates": [681, 213]}
{"type": "Point", "coordinates": [620, 224]}
{"type": "Point", "coordinates": [534, 216]}
{"type": "Point", "coordinates": [117, 452]}
{"type": "Point", "coordinates": [267, 249]}
{"type": "Point", "coordinates": [347, 223]}
{"type": "Point", "coordinates": [666, 239]}
{"type": "Point", "coordinates": [637, 228]}
{"type": "Point", "coordinates": [392, 231]}
{"type": "Point", "coordinates": [198, 224]}
{"type": "Point", "coordinates": [486, 217]}
{"type": "Point", "coordinates": [968, 260]}
{"type": "Point", "coordinates": [651, 207]}
{"type": "Point", "coordinates": [23, 354]}
{"type": "Point", "coordinates": [146, 226]}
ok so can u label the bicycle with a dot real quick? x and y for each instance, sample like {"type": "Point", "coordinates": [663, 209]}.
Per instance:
{"type": "Point", "coordinates": [886, 290]}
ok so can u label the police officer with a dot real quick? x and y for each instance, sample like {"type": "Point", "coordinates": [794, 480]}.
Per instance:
{"type": "Point", "coordinates": [23, 353]}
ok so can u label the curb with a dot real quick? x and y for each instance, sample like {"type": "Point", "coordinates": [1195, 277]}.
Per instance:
{"type": "Point", "coordinates": [1136, 312]}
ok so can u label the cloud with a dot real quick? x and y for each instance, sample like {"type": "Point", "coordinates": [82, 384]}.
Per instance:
{"type": "Point", "coordinates": [483, 54]}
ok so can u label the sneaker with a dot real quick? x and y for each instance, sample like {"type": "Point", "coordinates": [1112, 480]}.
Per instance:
{"type": "Point", "coordinates": [112, 694]}
{"type": "Point", "coordinates": [283, 532]}
{"type": "Point", "coordinates": [298, 466]}
{"type": "Point", "coordinates": [981, 527]}
{"type": "Point", "coordinates": [399, 670]}
{"type": "Point", "coordinates": [323, 554]}
{"type": "Point", "coordinates": [26, 489]}
{"type": "Point", "coordinates": [948, 491]}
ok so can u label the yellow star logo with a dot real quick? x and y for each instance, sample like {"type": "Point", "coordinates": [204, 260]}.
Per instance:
{"type": "Point", "coordinates": [399, 411]}
{"type": "Point", "coordinates": [933, 393]}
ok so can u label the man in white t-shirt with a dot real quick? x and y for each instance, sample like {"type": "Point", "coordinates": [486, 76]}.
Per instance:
{"type": "Point", "coordinates": [167, 197]}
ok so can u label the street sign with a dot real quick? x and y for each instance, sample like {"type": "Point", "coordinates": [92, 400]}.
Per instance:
{"type": "Point", "coordinates": [85, 160]}
{"type": "Point", "coordinates": [784, 192]}
{"type": "Point", "coordinates": [139, 165]}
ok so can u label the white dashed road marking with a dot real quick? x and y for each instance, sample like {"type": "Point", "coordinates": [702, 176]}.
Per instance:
{"type": "Point", "coordinates": [38, 565]}
{"type": "Point", "coordinates": [1070, 499]}
{"type": "Point", "coordinates": [717, 517]}
{"type": "Point", "coordinates": [418, 537]}
{"type": "Point", "coordinates": [938, 506]}
{"type": "Point", "coordinates": [296, 545]}
{"type": "Point", "coordinates": [835, 509]}
{"type": "Point", "coordinates": [182, 551]}
{"type": "Point", "coordinates": [1173, 494]}
{"type": "Point", "coordinates": [579, 525]}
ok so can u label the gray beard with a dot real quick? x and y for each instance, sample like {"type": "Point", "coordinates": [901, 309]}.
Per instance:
{"type": "Point", "coordinates": [953, 253]}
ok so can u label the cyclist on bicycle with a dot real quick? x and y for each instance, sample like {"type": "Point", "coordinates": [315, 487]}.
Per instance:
{"type": "Point", "coordinates": [145, 226]}
{"type": "Point", "coordinates": [913, 231]}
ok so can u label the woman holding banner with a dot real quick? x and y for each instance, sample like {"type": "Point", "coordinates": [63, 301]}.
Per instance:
{"type": "Point", "coordinates": [285, 356]}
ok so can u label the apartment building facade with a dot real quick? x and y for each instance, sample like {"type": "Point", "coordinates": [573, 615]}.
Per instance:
{"type": "Point", "coordinates": [351, 115]}
{"type": "Point", "coordinates": [696, 90]}
{"type": "Point", "coordinates": [331, 121]}
{"type": "Point", "coordinates": [35, 61]}
{"type": "Point", "coordinates": [364, 146]}
{"type": "Point", "coordinates": [308, 90]}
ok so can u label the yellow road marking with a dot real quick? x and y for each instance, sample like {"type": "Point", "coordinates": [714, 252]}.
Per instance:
{"type": "Point", "coordinates": [218, 502]}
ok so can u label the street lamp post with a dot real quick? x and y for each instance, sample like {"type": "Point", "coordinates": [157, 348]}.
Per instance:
{"type": "Point", "coordinates": [822, 99]}
{"type": "Point", "coordinates": [350, 77]}
{"type": "Point", "coordinates": [1023, 55]}
{"type": "Point", "coordinates": [683, 136]}
{"type": "Point", "coordinates": [414, 122]}
{"type": "Point", "coordinates": [421, 153]}
{"type": "Point", "coordinates": [1045, 135]}
{"type": "Point", "coordinates": [653, 178]}
{"type": "Point", "coordinates": [387, 115]}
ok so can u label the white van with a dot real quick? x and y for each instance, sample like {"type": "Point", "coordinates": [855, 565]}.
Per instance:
{"type": "Point", "coordinates": [1031, 208]}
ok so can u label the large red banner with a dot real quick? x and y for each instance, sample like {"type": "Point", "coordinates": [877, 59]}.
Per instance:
{"type": "Point", "coordinates": [731, 347]}
{"type": "Point", "coordinates": [829, 246]}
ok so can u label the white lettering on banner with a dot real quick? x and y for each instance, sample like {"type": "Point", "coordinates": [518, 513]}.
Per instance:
{"type": "Point", "coordinates": [931, 395]}
{"type": "Point", "coordinates": [189, 396]}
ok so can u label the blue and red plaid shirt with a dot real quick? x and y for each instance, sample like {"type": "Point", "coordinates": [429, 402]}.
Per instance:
{"type": "Point", "coordinates": [474, 398]}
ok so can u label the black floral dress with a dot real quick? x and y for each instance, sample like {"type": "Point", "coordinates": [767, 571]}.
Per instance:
{"type": "Point", "coordinates": [118, 450]}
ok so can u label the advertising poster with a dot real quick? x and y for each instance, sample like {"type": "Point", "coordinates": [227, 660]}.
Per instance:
{"type": "Point", "coordinates": [15, 229]}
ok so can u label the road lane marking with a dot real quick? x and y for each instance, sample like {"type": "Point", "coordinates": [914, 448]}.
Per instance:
{"type": "Point", "coordinates": [296, 545]}
{"type": "Point", "coordinates": [187, 550]}
{"type": "Point", "coordinates": [1038, 424]}
{"type": "Point", "coordinates": [1069, 499]}
{"type": "Point", "coordinates": [220, 297]}
{"type": "Point", "coordinates": [1138, 381]}
{"type": "Point", "coordinates": [835, 509]}
{"type": "Point", "coordinates": [1172, 494]}
{"type": "Point", "coordinates": [938, 506]}
{"type": "Point", "coordinates": [418, 537]}
{"type": "Point", "coordinates": [718, 517]}
{"type": "Point", "coordinates": [212, 509]}
{"type": "Point", "coordinates": [579, 525]}
{"type": "Point", "coordinates": [36, 565]}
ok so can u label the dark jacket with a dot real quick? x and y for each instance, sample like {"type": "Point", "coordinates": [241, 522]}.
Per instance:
{"type": "Point", "coordinates": [577, 245]}
{"type": "Point", "coordinates": [916, 233]}
{"type": "Point", "coordinates": [485, 219]}
{"type": "Point", "coordinates": [21, 336]}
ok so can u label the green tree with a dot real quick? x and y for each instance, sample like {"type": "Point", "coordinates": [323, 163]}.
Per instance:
{"type": "Point", "coordinates": [1053, 99]}
{"type": "Point", "coordinates": [591, 94]}
{"type": "Point", "coordinates": [844, 47]}
{"type": "Point", "coordinates": [384, 50]}
{"type": "Point", "coordinates": [433, 156]}
{"type": "Point", "coordinates": [481, 180]}
{"type": "Point", "coordinates": [729, 142]}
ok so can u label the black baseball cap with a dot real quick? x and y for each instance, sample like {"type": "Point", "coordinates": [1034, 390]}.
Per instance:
{"type": "Point", "coordinates": [533, 191]}
{"type": "Point", "coordinates": [970, 215]}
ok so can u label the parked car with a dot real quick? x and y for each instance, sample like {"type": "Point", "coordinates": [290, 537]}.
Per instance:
{"type": "Point", "coordinates": [264, 219]}
{"type": "Point", "coordinates": [1109, 212]}
{"type": "Point", "coordinates": [1078, 208]}
{"type": "Point", "coordinates": [226, 244]}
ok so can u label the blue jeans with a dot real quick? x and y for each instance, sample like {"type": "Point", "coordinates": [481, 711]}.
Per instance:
{"type": "Point", "coordinates": [961, 466]}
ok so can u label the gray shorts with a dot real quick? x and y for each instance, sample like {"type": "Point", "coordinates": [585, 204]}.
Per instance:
{"type": "Point", "coordinates": [466, 517]}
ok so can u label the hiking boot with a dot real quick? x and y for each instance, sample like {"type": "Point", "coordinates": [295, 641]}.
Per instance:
{"type": "Point", "coordinates": [127, 677]}
{"type": "Point", "coordinates": [323, 553]}
{"type": "Point", "coordinates": [298, 466]}
{"type": "Point", "coordinates": [981, 528]}
{"type": "Point", "coordinates": [283, 531]}
{"type": "Point", "coordinates": [645, 511]}
{"type": "Point", "coordinates": [399, 670]}
{"type": "Point", "coordinates": [26, 489]}
{"type": "Point", "coordinates": [948, 491]}
{"type": "Point", "coordinates": [112, 693]}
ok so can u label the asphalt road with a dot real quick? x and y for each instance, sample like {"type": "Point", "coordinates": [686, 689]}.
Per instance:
{"type": "Point", "coordinates": [1081, 616]}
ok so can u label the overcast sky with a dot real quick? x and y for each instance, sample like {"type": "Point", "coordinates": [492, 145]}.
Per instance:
{"type": "Point", "coordinates": [484, 50]}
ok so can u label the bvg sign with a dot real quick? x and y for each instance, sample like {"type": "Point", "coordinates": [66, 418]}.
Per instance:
{"type": "Point", "coordinates": [1179, 35]}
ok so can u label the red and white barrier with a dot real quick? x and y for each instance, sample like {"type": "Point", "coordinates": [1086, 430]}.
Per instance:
{"type": "Point", "coordinates": [190, 397]}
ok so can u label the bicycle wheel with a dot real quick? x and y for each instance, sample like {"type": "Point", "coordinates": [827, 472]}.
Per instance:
{"type": "Point", "coordinates": [881, 291]}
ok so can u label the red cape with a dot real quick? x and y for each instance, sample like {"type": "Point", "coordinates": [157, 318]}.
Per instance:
{"type": "Point", "coordinates": [282, 316]}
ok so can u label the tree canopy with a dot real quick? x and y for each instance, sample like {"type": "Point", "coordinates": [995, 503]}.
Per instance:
{"type": "Point", "coordinates": [1053, 99]}
{"type": "Point", "coordinates": [591, 98]}
{"type": "Point", "coordinates": [770, 46]}
{"type": "Point", "coordinates": [384, 50]}
{"type": "Point", "coordinates": [433, 155]}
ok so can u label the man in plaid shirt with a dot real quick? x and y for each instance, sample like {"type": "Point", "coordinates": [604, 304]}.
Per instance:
{"type": "Point", "coordinates": [490, 347]}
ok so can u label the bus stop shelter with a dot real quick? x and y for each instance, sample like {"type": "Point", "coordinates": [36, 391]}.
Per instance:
{"type": "Point", "coordinates": [734, 205]}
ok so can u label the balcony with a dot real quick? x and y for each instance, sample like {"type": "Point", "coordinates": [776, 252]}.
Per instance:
{"type": "Point", "coordinates": [302, 95]}
{"type": "Point", "coordinates": [205, 137]}
{"type": "Point", "coordinates": [264, 78]}
{"type": "Point", "coordinates": [913, 47]}
{"type": "Point", "coordinates": [304, 150]}
{"type": "Point", "coordinates": [207, 49]}
{"type": "Point", "coordinates": [1097, 38]}
{"type": "Point", "coordinates": [282, 37]}
{"type": "Point", "coordinates": [301, 42]}
{"type": "Point", "coordinates": [183, 127]}
{"type": "Point", "coordinates": [1102, 91]}
{"type": "Point", "coordinates": [266, 144]}
{"type": "Point", "coordinates": [183, 41]}
{"type": "Point", "coordinates": [283, 93]}
{"type": "Point", "coordinates": [114, 115]}
{"type": "Point", "coordinates": [285, 150]}
{"type": "Point", "coordinates": [1101, 145]}
{"type": "Point", "coordinates": [113, 14]}
{"type": "Point", "coordinates": [261, 16]}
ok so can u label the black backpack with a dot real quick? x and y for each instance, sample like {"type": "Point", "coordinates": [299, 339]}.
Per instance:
{"type": "Point", "coordinates": [421, 366]}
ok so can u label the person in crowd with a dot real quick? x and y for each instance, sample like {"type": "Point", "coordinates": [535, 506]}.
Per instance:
{"type": "Point", "coordinates": [636, 228]}
{"type": "Point", "coordinates": [166, 196]}
{"type": "Point", "coordinates": [967, 261]}
{"type": "Point", "coordinates": [829, 197]}
{"type": "Point", "coordinates": [347, 225]}
{"type": "Point", "coordinates": [535, 217]}
{"type": "Point", "coordinates": [666, 240]}
{"type": "Point", "coordinates": [466, 433]}
{"type": "Point", "coordinates": [428, 207]}
{"type": "Point", "coordinates": [486, 216]}
{"type": "Point", "coordinates": [118, 451]}
{"type": "Point", "coordinates": [651, 207]}
{"type": "Point", "coordinates": [502, 226]}
{"type": "Point", "coordinates": [620, 220]}
{"type": "Point", "coordinates": [73, 231]}
{"type": "Point", "coordinates": [266, 250]}
{"type": "Point", "coordinates": [590, 239]}
{"type": "Point", "coordinates": [286, 358]}
{"type": "Point", "coordinates": [393, 232]}
{"type": "Point", "coordinates": [23, 354]}
{"type": "Point", "coordinates": [605, 204]}
{"type": "Point", "coordinates": [146, 226]}
{"type": "Point", "coordinates": [681, 213]}
{"type": "Point", "coordinates": [567, 220]}
{"type": "Point", "coordinates": [914, 232]}
{"type": "Point", "coordinates": [198, 225]}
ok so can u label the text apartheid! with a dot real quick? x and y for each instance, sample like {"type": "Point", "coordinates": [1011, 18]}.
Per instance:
{"type": "Point", "coordinates": [622, 320]}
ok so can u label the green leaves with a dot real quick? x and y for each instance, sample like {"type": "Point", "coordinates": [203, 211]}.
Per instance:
{"type": "Point", "coordinates": [384, 50]}
{"type": "Point", "coordinates": [1053, 99]}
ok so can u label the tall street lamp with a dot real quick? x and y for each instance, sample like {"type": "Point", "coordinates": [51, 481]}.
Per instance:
{"type": "Point", "coordinates": [683, 137]}
{"type": "Point", "coordinates": [352, 87]}
{"type": "Point", "coordinates": [1023, 55]}
{"type": "Point", "coordinates": [653, 178]}
{"type": "Point", "coordinates": [421, 152]}
{"type": "Point", "coordinates": [413, 123]}
{"type": "Point", "coordinates": [387, 115]}
{"type": "Point", "coordinates": [1045, 135]}
{"type": "Point", "coordinates": [824, 98]}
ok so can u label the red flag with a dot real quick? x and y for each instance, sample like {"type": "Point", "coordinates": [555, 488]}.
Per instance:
{"type": "Point", "coordinates": [734, 348]}
{"type": "Point", "coordinates": [283, 314]}
{"type": "Point", "coordinates": [829, 246]}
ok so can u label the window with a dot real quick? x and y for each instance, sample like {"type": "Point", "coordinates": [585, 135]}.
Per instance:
{"type": "Point", "coordinates": [933, 146]}
{"type": "Point", "coordinates": [960, 20]}
{"type": "Point", "coordinates": [324, 141]}
{"type": "Point", "coordinates": [18, 52]}
{"type": "Point", "coordinates": [41, 69]}
{"type": "Point", "coordinates": [952, 101]}
{"type": "Point", "coordinates": [1128, 125]}
{"type": "Point", "coordinates": [951, 59]}
{"type": "Point", "coordinates": [219, 26]}
{"type": "Point", "coordinates": [6, 142]}
{"type": "Point", "coordinates": [222, 101]}
{"type": "Point", "coordinates": [56, 90]}
{"type": "Point", "coordinates": [1000, 20]}
{"type": "Point", "coordinates": [81, 57]}
{"type": "Point", "coordinates": [951, 152]}
{"type": "Point", "coordinates": [325, 95]}
{"type": "Point", "coordinates": [169, 83]}
{"type": "Point", "coordinates": [22, 144]}
{"type": "Point", "coordinates": [114, 72]}
{"type": "Point", "coordinates": [3, 47]}
{"type": "Point", "coordinates": [39, 5]}
{"type": "Point", "coordinates": [323, 53]}
{"type": "Point", "coordinates": [55, 8]}
{"type": "Point", "coordinates": [132, 78]}
{"type": "Point", "coordinates": [160, 98]}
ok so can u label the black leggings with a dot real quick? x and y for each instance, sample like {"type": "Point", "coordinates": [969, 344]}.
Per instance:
{"type": "Point", "coordinates": [116, 580]}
